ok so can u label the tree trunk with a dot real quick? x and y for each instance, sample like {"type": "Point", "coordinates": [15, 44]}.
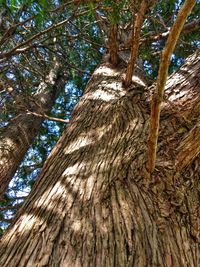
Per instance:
{"type": "Point", "coordinates": [18, 135]}
{"type": "Point", "coordinates": [94, 204]}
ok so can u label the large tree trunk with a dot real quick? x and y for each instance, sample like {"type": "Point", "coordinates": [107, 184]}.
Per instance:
{"type": "Point", "coordinates": [18, 135]}
{"type": "Point", "coordinates": [94, 204]}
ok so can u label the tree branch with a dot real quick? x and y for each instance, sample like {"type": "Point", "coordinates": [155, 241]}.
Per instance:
{"type": "Point", "coordinates": [161, 81]}
{"type": "Point", "coordinates": [12, 29]}
{"type": "Point", "coordinates": [17, 206]}
{"type": "Point", "coordinates": [152, 37]}
{"type": "Point", "coordinates": [6, 220]}
{"type": "Point", "coordinates": [189, 27]}
{"type": "Point", "coordinates": [44, 116]}
{"type": "Point", "coordinates": [17, 50]}
{"type": "Point", "coordinates": [135, 40]}
{"type": "Point", "coordinates": [113, 45]}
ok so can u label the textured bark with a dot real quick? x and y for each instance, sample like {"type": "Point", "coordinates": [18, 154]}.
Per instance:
{"type": "Point", "coordinates": [18, 135]}
{"type": "Point", "coordinates": [92, 204]}
{"type": "Point", "coordinates": [113, 45]}
{"type": "Point", "coordinates": [162, 79]}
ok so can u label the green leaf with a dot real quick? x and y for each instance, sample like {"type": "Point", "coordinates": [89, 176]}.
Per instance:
{"type": "Point", "coordinates": [13, 5]}
{"type": "Point", "coordinates": [91, 8]}
{"type": "Point", "coordinates": [43, 3]}
{"type": "Point", "coordinates": [40, 16]}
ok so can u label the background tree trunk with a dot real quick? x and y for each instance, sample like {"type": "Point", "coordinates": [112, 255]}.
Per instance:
{"type": "Point", "coordinates": [18, 135]}
{"type": "Point", "coordinates": [93, 204]}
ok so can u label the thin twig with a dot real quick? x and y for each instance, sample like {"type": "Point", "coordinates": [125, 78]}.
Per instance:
{"type": "Point", "coordinates": [17, 206]}
{"type": "Point", "coordinates": [189, 27]}
{"type": "Point", "coordinates": [17, 49]}
{"type": "Point", "coordinates": [44, 116]}
{"type": "Point", "coordinates": [161, 81]}
{"type": "Point", "coordinates": [12, 29]}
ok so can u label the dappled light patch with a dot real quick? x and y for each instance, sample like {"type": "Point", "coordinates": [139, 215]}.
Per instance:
{"type": "Point", "coordinates": [76, 226]}
{"type": "Point", "coordinates": [93, 200]}
{"type": "Point", "coordinates": [72, 170]}
{"type": "Point", "coordinates": [82, 141]}
{"type": "Point", "coordinates": [106, 71]}
{"type": "Point", "coordinates": [104, 94]}
{"type": "Point", "coordinates": [28, 221]}
{"type": "Point", "coordinates": [93, 203]}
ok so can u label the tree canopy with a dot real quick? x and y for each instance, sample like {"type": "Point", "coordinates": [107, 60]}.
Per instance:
{"type": "Point", "coordinates": [75, 33]}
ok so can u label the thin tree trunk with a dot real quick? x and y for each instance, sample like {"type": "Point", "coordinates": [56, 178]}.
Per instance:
{"type": "Point", "coordinates": [92, 205]}
{"type": "Point", "coordinates": [18, 135]}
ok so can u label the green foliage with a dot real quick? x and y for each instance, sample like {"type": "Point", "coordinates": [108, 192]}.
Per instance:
{"type": "Point", "coordinates": [78, 44]}
{"type": "Point", "coordinates": [115, 10]}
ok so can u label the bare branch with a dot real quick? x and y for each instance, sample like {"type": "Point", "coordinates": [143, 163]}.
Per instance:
{"type": "Point", "coordinates": [17, 206]}
{"type": "Point", "coordinates": [152, 37]}
{"type": "Point", "coordinates": [161, 81]}
{"type": "Point", "coordinates": [18, 48]}
{"type": "Point", "coordinates": [12, 29]}
{"type": "Point", "coordinates": [44, 116]}
{"type": "Point", "coordinates": [6, 220]}
{"type": "Point", "coordinates": [113, 44]}
{"type": "Point", "coordinates": [135, 39]}
{"type": "Point", "coordinates": [189, 27]}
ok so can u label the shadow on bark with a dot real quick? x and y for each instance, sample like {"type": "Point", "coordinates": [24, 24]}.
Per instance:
{"type": "Point", "coordinates": [92, 204]}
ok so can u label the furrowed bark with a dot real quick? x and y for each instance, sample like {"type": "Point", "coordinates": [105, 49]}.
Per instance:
{"type": "Point", "coordinates": [90, 205]}
{"type": "Point", "coordinates": [113, 45]}
{"type": "Point", "coordinates": [189, 149]}
{"type": "Point", "coordinates": [184, 100]}
{"type": "Point", "coordinates": [161, 81]}
{"type": "Point", "coordinates": [18, 135]}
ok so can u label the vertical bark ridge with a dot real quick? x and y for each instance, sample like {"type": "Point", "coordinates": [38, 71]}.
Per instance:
{"type": "Point", "coordinates": [88, 207]}
{"type": "Point", "coordinates": [17, 136]}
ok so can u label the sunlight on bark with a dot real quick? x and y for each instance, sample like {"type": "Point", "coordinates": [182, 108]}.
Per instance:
{"type": "Point", "coordinates": [72, 169]}
{"type": "Point", "coordinates": [76, 226]}
{"type": "Point", "coordinates": [137, 80]}
{"type": "Point", "coordinates": [105, 95]}
{"type": "Point", "coordinates": [28, 221]}
{"type": "Point", "coordinates": [106, 71]}
{"type": "Point", "coordinates": [79, 143]}
{"type": "Point", "coordinates": [180, 91]}
{"type": "Point", "coordinates": [177, 96]}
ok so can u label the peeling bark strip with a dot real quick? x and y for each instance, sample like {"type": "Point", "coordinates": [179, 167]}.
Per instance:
{"type": "Point", "coordinates": [161, 81]}
{"type": "Point", "coordinates": [89, 206]}
{"type": "Point", "coordinates": [17, 136]}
